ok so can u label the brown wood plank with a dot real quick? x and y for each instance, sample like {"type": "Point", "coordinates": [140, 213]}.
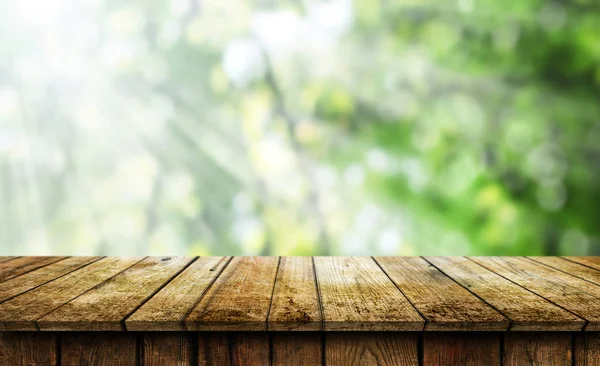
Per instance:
{"type": "Point", "coordinates": [297, 349]}
{"type": "Point", "coordinates": [21, 312]}
{"type": "Point", "coordinates": [232, 349]}
{"type": "Point", "coordinates": [587, 349]}
{"type": "Point", "coordinates": [239, 299]}
{"type": "Point", "coordinates": [167, 348]}
{"type": "Point", "coordinates": [98, 349]}
{"type": "Point", "coordinates": [574, 269]}
{"type": "Point", "coordinates": [27, 348]}
{"type": "Point", "coordinates": [574, 294]}
{"type": "Point", "coordinates": [168, 308]}
{"type": "Point", "coordinates": [7, 258]}
{"type": "Point", "coordinates": [357, 295]}
{"type": "Point", "coordinates": [18, 266]}
{"type": "Point", "coordinates": [528, 312]}
{"type": "Point", "coordinates": [540, 348]}
{"type": "Point", "coordinates": [115, 299]}
{"type": "Point", "coordinates": [465, 349]}
{"type": "Point", "coordinates": [30, 280]}
{"type": "Point", "coordinates": [593, 262]}
{"type": "Point", "coordinates": [372, 348]}
{"type": "Point", "coordinates": [445, 304]}
{"type": "Point", "coordinates": [295, 304]}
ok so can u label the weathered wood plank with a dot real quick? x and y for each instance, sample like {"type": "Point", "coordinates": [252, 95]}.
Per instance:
{"type": "Point", "coordinates": [574, 294]}
{"type": "Point", "coordinates": [372, 348]}
{"type": "Point", "coordinates": [574, 269]}
{"type": "Point", "coordinates": [232, 349]}
{"type": "Point", "coordinates": [357, 295]}
{"type": "Point", "coordinates": [168, 308]}
{"type": "Point", "coordinates": [27, 348]}
{"type": "Point", "coordinates": [593, 262]}
{"type": "Point", "coordinates": [21, 312]}
{"type": "Point", "coordinates": [587, 349]}
{"type": "Point", "coordinates": [7, 258]}
{"type": "Point", "coordinates": [528, 312]}
{"type": "Point", "coordinates": [445, 304]}
{"type": "Point", "coordinates": [167, 348]}
{"type": "Point", "coordinates": [468, 349]}
{"type": "Point", "coordinates": [524, 348]}
{"type": "Point", "coordinates": [98, 349]}
{"type": "Point", "coordinates": [18, 266]}
{"type": "Point", "coordinates": [295, 304]}
{"type": "Point", "coordinates": [30, 280]}
{"type": "Point", "coordinates": [297, 349]}
{"type": "Point", "coordinates": [107, 305]}
{"type": "Point", "coordinates": [239, 299]}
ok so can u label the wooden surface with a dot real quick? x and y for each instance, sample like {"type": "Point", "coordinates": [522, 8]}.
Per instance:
{"type": "Point", "coordinates": [371, 349]}
{"type": "Point", "coordinates": [98, 349]}
{"type": "Point", "coordinates": [528, 311]}
{"type": "Point", "coordinates": [168, 348]}
{"type": "Point", "coordinates": [114, 299]}
{"type": "Point", "coordinates": [240, 297]}
{"type": "Point", "coordinates": [22, 312]}
{"type": "Point", "coordinates": [5, 259]}
{"type": "Point", "coordinates": [357, 295]}
{"type": "Point", "coordinates": [300, 294]}
{"type": "Point", "coordinates": [229, 349]}
{"type": "Point", "coordinates": [28, 348]}
{"type": "Point", "coordinates": [295, 303]}
{"type": "Point", "coordinates": [445, 304]}
{"type": "Point", "coordinates": [168, 308]}
{"type": "Point", "coordinates": [33, 279]}
{"type": "Point", "coordinates": [592, 262]}
{"type": "Point", "coordinates": [297, 348]}
{"type": "Point", "coordinates": [572, 268]}
{"type": "Point", "coordinates": [18, 266]}
{"type": "Point", "coordinates": [468, 349]}
{"type": "Point", "coordinates": [586, 349]}
{"type": "Point", "coordinates": [569, 292]}
{"type": "Point", "coordinates": [300, 348]}
{"type": "Point", "coordinates": [538, 349]}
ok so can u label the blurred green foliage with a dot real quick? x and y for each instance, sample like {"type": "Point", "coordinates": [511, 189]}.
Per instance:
{"type": "Point", "coordinates": [402, 127]}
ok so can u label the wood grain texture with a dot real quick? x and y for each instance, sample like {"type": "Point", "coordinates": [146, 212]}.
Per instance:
{"type": "Point", "coordinates": [18, 266]}
{"type": "Point", "coordinates": [372, 348]}
{"type": "Point", "coordinates": [572, 268]}
{"type": "Point", "coordinates": [21, 312]}
{"type": "Point", "coordinates": [527, 311]}
{"type": "Point", "coordinates": [574, 294]}
{"type": "Point", "coordinates": [168, 308]}
{"type": "Point", "coordinates": [593, 262]}
{"type": "Point", "coordinates": [40, 276]}
{"type": "Point", "coordinates": [27, 348]}
{"type": "Point", "coordinates": [107, 305]}
{"type": "Point", "coordinates": [167, 348]}
{"type": "Point", "coordinates": [357, 295]}
{"type": "Point", "coordinates": [445, 304]}
{"type": "Point", "coordinates": [295, 304]}
{"type": "Point", "coordinates": [587, 349]}
{"type": "Point", "coordinates": [524, 348]}
{"type": "Point", "coordinates": [233, 349]}
{"type": "Point", "coordinates": [297, 348]}
{"type": "Point", "coordinates": [239, 299]}
{"type": "Point", "coordinates": [465, 349]}
{"type": "Point", "coordinates": [98, 349]}
{"type": "Point", "coordinates": [7, 258]}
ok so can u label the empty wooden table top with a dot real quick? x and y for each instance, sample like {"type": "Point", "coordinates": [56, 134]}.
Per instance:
{"type": "Point", "coordinates": [300, 293]}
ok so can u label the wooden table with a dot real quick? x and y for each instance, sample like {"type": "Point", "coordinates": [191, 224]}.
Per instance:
{"type": "Point", "coordinates": [299, 310]}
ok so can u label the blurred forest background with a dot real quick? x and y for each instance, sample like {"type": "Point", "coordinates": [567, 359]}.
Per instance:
{"type": "Point", "coordinates": [392, 127]}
